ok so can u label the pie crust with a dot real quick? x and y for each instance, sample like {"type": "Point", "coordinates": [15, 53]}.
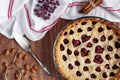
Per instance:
{"type": "Point", "coordinates": [88, 49]}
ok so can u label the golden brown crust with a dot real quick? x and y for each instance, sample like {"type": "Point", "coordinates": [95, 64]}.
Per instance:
{"type": "Point", "coordinates": [73, 26]}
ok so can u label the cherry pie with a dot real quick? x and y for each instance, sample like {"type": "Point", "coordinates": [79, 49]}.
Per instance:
{"type": "Point", "coordinates": [89, 49]}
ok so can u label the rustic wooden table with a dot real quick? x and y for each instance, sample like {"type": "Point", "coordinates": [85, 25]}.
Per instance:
{"type": "Point", "coordinates": [42, 49]}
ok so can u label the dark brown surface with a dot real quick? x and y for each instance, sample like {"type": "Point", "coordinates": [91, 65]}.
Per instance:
{"type": "Point", "coordinates": [42, 49]}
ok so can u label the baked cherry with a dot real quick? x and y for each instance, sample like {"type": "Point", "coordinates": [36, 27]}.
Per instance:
{"type": "Point", "coordinates": [64, 57]}
{"type": "Point", "coordinates": [107, 66]}
{"type": "Point", "coordinates": [85, 68]}
{"type": "Point", "coordinates": [70, 66]}
{"type": "Point", "coordinates": [117, 45]}
{"type": "Point", "coordinates": [79, 30]}
{"type": "Point", "coordinates": [84, 52]}
{"type": "Point", "coordinates": [69, 52]}
{"type": "Point", "coordinates": [83, 23]}
{"type": "Point", "coordinates": [115, 67]}
{"type": "Point", "coordinates": [85, 38]}
{"type": "Point", "coordinates": [104, 74]}
{"type": "Point", "coordinates": [61, 47]}
{"type": "Point", "coordinates": [103, 38]}
{"type": "Point", "coordinates": [89, 29]}
{"type": "Point", "coordinates": [112, 74]}
{"type": "Point", "coordinates": [100, 29]}
{"type": "Point", "coordinates": [66, 41]}
{"type": "Point", "coordinates": [98, 69]}
{"type": "Point", "coordinates": [65, 33]}
{"type": "Point", "coordinates": [93, 76]}
{"type": "Point", "coordinates": [109, 48]}
{"type": "Point", "coordinates": [117, 56]}
{"type": "Point", "coordinates": [99, 49]}
{"type": "Point", "coordinates": [95, 40]}
{"type": "Point", "coordinates": [87, 61]}
{"type": "Point", "coordinates": [94, 22]}
{"type": "Point", "coordinates": [87, 79]}
{"type": "Point", "coordinates": [110, 37]}
{"type": "Point", "coordinates": [78, 73]}
{"type": "Point", "coordinates": [98, 59]}
{"type": "Point", "coordinates": [107, 57]}
{"type": "Point", "coordinates": [108, 28]}
{"type": "Point", "coordinates": [76, 53]}
{"type": "Point", "coordinates": [77, 63]}
{"type": "Point", "coordinates": [76, 42]}
{"type": "Point", "coordinates": [71, 32]}
{"type": "Point", "coordinates": [89, 44]}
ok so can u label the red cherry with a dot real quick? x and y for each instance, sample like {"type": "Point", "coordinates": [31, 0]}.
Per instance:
{"type": "Point", "coordinates": [98, 59]}
{"type": "Point", "coordinates": [109, 48]}
{"type": "Point", "coordinates": [95, 40]}
{"type": "Point", "coordinates": [85, 68]}
{"type": "Point", "coordinates": [93, 76]}
{"type": "Point", "coordinates": [77, 63]}
{"type": "Point", "coordinates": [110, 37]}
{"type": "Point", "coordinates": [64, 57]}
{"type": "Point", "coordinates": [66, 41]}
{"type": "Point", "coordinates": [70, 66]}
{"type": "Point", "coordinates": [89, 29]}
{"type": "Point", "coordinates": [84, 52]}
{"type": "Point", "coordinates": [117, 45]}
{"type": "Point", "coordinates": [69, 52]}
{"type": "Point", "coordinates": [99, 49]}
{"type": "Point", "coordinates": [79, 30]}
{"type": "Point", "coordinates": [85, 38]}
{"type": "Point", "coordinates": [89, 44]}
{"type": "Point", "coordinates": [78, 73]}
{"type": "Point", "coordinates": [100, 29]}
{"type": "Point", "coordinates": [108, 57]}
{"type": "Point", "coordinates": [98, 69]}
{"type": "Point", "coordinates": [76, 42]}
{"type": "Point", "coordinates": [104, 74]}
{"type": "Point", "coordinates": [107, 66]}
{"type": "Point", "coordinates": [76, 53]}
{"type": "Point", "coordinates": [103, 38]}
{"type": "Point", "coordinates": [61, 47]}
{"type": "Point", "coordinates": [87, 61]}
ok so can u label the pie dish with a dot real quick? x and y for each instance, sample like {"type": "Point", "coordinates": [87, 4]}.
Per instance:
{"type": "Point", "coordinates": [88, 49]}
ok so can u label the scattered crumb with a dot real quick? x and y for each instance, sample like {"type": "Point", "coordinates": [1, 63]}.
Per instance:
{"type": "Point", "coordinates": [5, 64]}
{"type": "Point", "coordinates": [35, 67]}
{"type": "Point", "coordinates": [16, 75]}
{"type": "Point", "coordinates": [7, 52]}
{"type": "Point", "coordinates": [33, 70]}
{"type": "Point", "coordinates": [33, 78]}
{"type": "Point", "coordinates": [27, 67]}
{"type": "Point", "coordinates": [20, 55]}
{"type": "Point", "coordinates": [25, 57]}
{"type": "Point", "coordinates": [17, 63]}
{"type": "Point", "coordinates": [13, 50]}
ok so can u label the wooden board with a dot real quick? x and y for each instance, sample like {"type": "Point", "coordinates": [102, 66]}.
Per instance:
{"type": "Point", "coordinates": [42, 49]}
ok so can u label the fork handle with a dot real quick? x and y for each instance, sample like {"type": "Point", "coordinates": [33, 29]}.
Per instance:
{"type": "Point", "coordinates": [40, 63]}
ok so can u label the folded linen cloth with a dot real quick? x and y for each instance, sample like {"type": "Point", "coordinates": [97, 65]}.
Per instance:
{"type": "Point", "coordinates": [109, 9]}
{"type": "Point", "coordinates": [34, 18]}
{"type": "Point", "coordinates": [25, 21]}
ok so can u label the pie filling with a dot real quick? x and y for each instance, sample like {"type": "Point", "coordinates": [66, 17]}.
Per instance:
{"type": "Point", "coordinates": [88, 47]}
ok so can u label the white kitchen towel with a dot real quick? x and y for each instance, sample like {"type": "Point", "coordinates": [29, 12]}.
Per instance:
{"type": "Point", "coordinates": [9, 7]}
{"type": "Point", "coordinates": [109, 9]}
{"type": "Point", "coordinates": [21, 15]}
{"type": "Point", "coordinates": [25, 22]}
